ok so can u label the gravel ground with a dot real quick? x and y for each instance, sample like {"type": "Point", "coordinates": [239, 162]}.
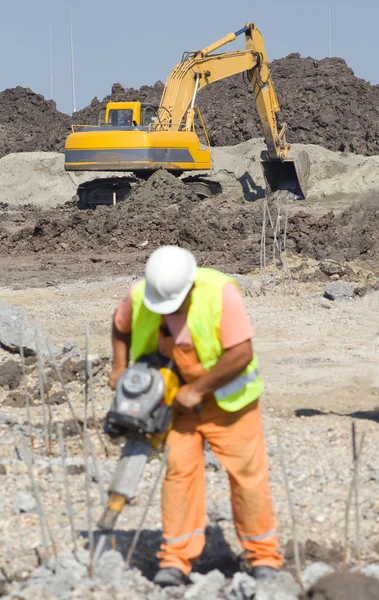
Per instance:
{"type": "Point", "coordinates": [319, 361]}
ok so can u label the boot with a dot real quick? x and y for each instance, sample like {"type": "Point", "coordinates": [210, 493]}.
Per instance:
{"type": "Point", "coordinates": [170, 576]}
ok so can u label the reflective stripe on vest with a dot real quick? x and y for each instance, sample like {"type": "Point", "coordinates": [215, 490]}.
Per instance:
{"type": "Point", "coordinates": [236, 385]}
{"type": "Point", "coordinates": [203, 321]}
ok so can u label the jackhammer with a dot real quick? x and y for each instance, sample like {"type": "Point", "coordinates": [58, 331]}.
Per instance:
{"type": "Point", "coordinates": [141, 411]}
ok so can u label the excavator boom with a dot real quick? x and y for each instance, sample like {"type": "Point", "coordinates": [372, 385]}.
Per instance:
{"type": "Point", "coordinates": [202, 68]}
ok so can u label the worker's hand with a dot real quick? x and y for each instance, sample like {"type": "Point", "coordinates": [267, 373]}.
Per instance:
{"type": "Point", "coordinates": [114, 376]}
{"type": "Point", "coordinates": [187, 398]}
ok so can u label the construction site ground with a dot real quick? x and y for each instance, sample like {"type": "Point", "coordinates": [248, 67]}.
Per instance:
{"type": "Point", "coordinates": [319, 360]}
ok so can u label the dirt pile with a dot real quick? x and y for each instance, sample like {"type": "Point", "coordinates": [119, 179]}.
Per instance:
{"type": "Point", "coordinates": [322, 102]}
{"type": "Point", "coordinates": [349, 586]}
{"type": "Point", "coordinates": [222, 231]}
{"type": "Point", "coordinates": [147, 93]}
{"type": "Point", "coordinates": [29, 122]}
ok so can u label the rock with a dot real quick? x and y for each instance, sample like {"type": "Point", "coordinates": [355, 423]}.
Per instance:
{"type": "Point", "coordinates": [371, 571]}
{"type": "Point", "coordinates": [110, 567]}
{"type": "Point", "coordinates": [5, 420]}
{"type": "Point", "coordinates": [205, 586]}
{"type": "Point", "coordinates": [325, 303]}
{"type": "Point", "coordinates": [10, 374]}
{"type": "Point", "coordinates": [349, 586]}
{"type": "Point", "coordinates": [75, 469]}
{"type": "Point", "coordinates": [338, 291]}
{"type": "Point", "coordinates": [314, 572]}
{"type": "Point", "coordinates": [331, 268]}
{"type": "Point", "coordinates": [282, 587]}
{"type": "Point", "coordinates": [23, 502]}
{"type": "Point", "coordinates": [211, 461]}
{"type": "Point", "coordinates": [70, 349]}
{"type": "Point", "coordinates": [68, 346]}
{"type": "Point", "coordinates": [3, 470]}
{"type": "Point", "coordinates": [360, 290]}
{"type": "Point", "coordinates": [57, 398]}
{"type": "Point", "coordinates": [242, 587]}
{"type": "Point", "coordinates": [61, 585]}
{"type": "Point", "coordinates": [15, 325]}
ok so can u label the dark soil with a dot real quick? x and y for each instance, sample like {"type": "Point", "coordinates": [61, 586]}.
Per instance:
{"type": "Point", "coordinates": [322, 102]}
{"type": "Point", "coordinates": [28, 122]}
{"type": "Point", "coordinates": [345, 586]}
{"type": "Point", "coordinates": [221, 231]}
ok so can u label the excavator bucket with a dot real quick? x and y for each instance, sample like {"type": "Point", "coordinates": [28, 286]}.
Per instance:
{"type": "Point", "coordinates": [290, 175]}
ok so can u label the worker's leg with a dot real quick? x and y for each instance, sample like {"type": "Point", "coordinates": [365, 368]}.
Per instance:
{"type": "Point", "coordinates": [238, 441]}
{"type": "Point", "coordinates": [183, 497]}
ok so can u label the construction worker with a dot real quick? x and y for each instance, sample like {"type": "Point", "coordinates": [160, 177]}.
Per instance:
{"type": "Point", "coordinates": [196, 317]}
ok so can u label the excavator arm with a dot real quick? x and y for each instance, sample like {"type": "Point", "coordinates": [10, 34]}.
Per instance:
{"type": "Point", "coordinates": [202, 68]}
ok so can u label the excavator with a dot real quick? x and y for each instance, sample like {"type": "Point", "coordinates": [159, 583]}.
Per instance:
{"type": "Point", "coordinates": [140, 138]}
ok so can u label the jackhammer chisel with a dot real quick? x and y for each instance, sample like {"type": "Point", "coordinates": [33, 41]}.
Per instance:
{"type": "Point", "coordinates": [141, 411]}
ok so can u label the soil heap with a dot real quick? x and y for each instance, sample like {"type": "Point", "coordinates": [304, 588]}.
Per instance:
{"type": "Point", "coordinates": [321, 101]}
{"type": "Point", "coordinates": [221, 231]}
{"type": "Point", "coordinates": [28, 122]}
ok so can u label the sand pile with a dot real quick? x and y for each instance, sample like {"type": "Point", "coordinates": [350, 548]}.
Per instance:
{"type": "Point", "coordinates": [224, 230]}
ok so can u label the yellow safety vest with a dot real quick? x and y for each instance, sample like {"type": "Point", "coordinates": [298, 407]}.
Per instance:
{"type": "Point", "coordinates": [203, 321]}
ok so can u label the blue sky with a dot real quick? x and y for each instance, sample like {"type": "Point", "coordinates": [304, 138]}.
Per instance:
{"type": "Point", "coordinates": [137, 43]}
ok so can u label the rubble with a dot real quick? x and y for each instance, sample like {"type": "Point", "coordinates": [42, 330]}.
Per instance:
{"type": "Point", "coordinates": [16, 329]}
{"type": "Point", "coordinates": [338, 291]}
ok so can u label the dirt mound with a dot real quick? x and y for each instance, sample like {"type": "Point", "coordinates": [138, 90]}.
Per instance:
{"type": "Point", "coordinates": [322, 102]}
{"type": "Point", "coordinates": [28, 122]}
{"type": "Point", "coordinates": [147, 93]}
{"type": "Point", "coordinates": [222, 231]}
{"type": "Point", "coordinates": [346, 237]}
{"type": "Point", "coordinates": [349, 586]}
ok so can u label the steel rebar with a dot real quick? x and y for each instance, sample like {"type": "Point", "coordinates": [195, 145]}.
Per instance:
{"type": "Point", "coordinates": [70, 511]}
{"type": "Point", "coordinates": [292, 513]}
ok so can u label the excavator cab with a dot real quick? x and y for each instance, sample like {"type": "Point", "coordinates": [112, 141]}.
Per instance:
{"type": "Point", "coordinates": [130, 114]}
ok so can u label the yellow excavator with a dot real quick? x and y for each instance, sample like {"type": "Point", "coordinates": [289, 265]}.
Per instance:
{"type": "Point", "coordinates": [140, 138]}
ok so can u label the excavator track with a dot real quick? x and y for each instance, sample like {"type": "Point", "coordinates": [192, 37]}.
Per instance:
{"type": "Point", "coordinates": [110, 191]}
{"type": "Point", "coordinates": [106, 191]}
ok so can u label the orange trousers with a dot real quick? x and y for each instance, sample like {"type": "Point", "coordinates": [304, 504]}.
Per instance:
{"type": "Point", "coordinates": [237, 440]}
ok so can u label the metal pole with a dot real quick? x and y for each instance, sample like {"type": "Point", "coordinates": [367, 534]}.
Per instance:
{"type": "Point", "coordinates": [330, 28]}
{"type": "Point", "coordinates": [72, 60]}
{"type": "Point", "coordinates": [51, 63]}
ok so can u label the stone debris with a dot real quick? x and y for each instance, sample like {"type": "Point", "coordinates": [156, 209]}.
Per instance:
{"type": "Point", "coordinates": [24, 502]}
{"type": "Point", "coordinates": [16, 328]}
{"type": "Point", "coordinates": [314, 572]}
{"type": "Point", "coordinates": [338, 291]}
{"type": "Point", "coordinates": [243, 587]}
{"type": "Point", "coordinates": [347, 586]}
{"type": "Point", "coordinates": [205, 586]}
{"type": "Point", "coordinates": [371, 570]}
{"type": "Point", "coordinates": [281, 587]}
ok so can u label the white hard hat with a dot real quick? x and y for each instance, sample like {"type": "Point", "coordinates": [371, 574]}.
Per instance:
{"type": "Point", "coordinates": [170, 273]}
